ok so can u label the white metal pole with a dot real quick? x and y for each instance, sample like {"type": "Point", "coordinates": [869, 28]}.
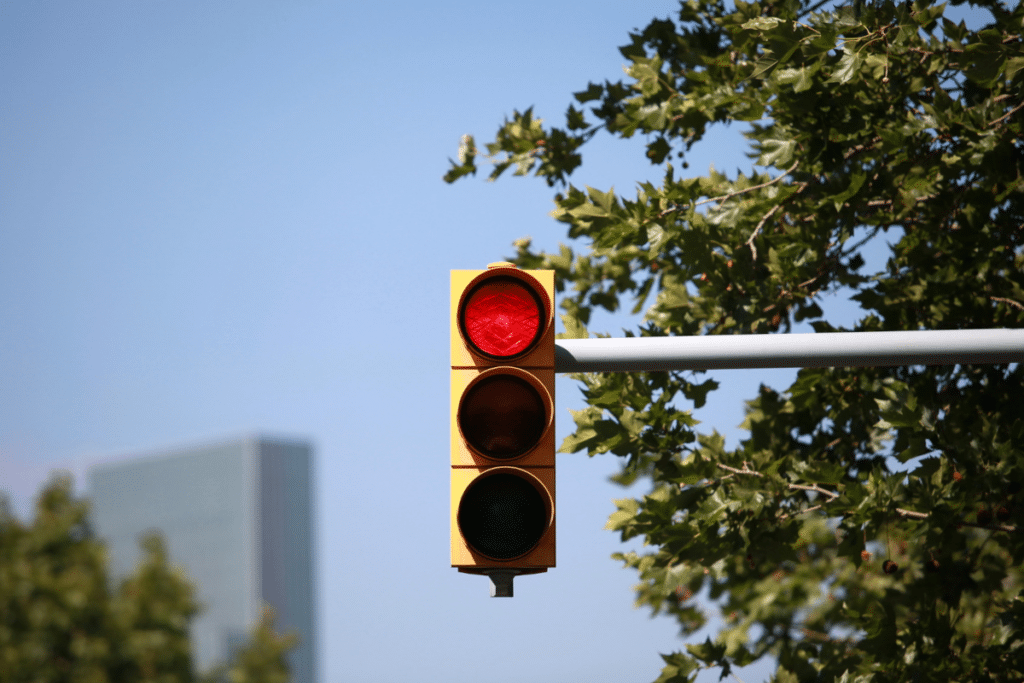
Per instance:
{"type": "Point", "coordinates": [828, 349]}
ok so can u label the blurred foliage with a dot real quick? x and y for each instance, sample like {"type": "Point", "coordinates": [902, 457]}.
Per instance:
{"type": "Point", "coordinates": [869, 526]}
{"type": "Point", "coordinates": [61, 619]}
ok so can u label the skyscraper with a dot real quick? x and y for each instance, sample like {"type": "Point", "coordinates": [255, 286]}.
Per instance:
{"type": "Point", "coordinates": [238, 517]}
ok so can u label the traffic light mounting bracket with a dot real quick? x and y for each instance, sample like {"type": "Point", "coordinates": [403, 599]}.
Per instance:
{"type": "Point", "coordinates": [501, 579]}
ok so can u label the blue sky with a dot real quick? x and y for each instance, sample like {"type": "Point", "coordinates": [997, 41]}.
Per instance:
{"type": "Point", "coordinates": [224, 218]}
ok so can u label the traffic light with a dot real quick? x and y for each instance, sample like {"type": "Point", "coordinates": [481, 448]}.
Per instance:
{"type": "Point", "coordinates": [502, 426]}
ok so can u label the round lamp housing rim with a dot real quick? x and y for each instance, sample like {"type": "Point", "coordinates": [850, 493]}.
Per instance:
{"type": "Point", "coordinates": [531, 284]}
{"type": "Point", "coordinates": [538, 485]}
{"type": "Point", "coordinates": [529, 378]}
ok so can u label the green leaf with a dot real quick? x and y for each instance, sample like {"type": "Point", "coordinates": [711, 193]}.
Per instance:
{"type": "Point", "coordinates": [678, 668]}
{"type": "Point", "coordinates": [714, 506]}
{"type": "Point", "coordinates": [987, 68]}
{"type": "Point", "coordinates": [626, 513]}
{"type": "Point", "coordinates": [593, 92]}
{"type": "Point", "coordinates": [708, 652]}
{"type": "Point", "coordinates": [1013, 65]}
{"type": "Point", "coordinates": [822, 472]}
{"type": "Point", "coordinates": [574, 328]}
{"type": "Point", "coordinates": [849, 65]}
{"type": "Point", "coordinates": [801, 78]}
{"type": "Point", "coordinates": [776, 153]}
{"type": "Point", "coordinates": [762, 23]}
{"type": "Point", "coordinates": [856, 182]}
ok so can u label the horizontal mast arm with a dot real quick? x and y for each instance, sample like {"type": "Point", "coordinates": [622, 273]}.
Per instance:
{"type": "Point", "coordinates": [826, 349]}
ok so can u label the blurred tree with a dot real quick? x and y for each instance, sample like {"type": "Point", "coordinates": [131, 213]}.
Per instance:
{"type": "Point", "coordinates": [60, 620]}
{"type": "Point", "coordinates": [869, 527]}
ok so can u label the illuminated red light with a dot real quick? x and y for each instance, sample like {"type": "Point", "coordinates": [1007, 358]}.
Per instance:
{"type": "Point", "coordinates": [502, 317]}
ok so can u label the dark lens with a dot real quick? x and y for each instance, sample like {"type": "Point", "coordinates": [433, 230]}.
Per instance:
{"type": "Point", "coordinates": [502, 516]}
{"type": "Point", "coordinates": [502, 416]}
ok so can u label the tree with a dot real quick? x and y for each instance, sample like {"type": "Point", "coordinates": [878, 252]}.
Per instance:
{"type": "Point", "coordinates": [60, 620]}
{"type": "Point", "coordinates": [869, 526]}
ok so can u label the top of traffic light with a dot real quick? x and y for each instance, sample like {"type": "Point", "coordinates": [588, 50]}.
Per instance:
{"type": "Point", "coordinates": [502, 315]}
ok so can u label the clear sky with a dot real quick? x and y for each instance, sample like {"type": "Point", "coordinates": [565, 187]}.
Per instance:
{"type": "Point", "coordinates": [222, 218]}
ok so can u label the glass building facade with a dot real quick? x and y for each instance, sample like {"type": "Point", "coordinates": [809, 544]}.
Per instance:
{"type": "Point", "coordinates": [237, 516]}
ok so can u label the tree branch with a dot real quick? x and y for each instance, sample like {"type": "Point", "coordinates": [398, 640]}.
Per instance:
{"type": "Point", "coordinates": [991, 527]}
{"type": "Point", "coordinates": [764, 219]}
{"type": "Point", "coordinates": [1017, 304]}
{"type": "Point", "coordinates": [1007, 114]}
{"type": "Point", "coordinates": [757, 230]}
{"type": "Point", "coordinates": [833, 495]}
{"type": "Point", "coordinates": [721, 199]}
{"type": "Point", "coordinates": [803, 487]}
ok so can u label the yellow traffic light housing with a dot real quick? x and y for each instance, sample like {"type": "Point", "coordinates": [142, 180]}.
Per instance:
{"type": "Point", "coordinates": [502, 426]}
